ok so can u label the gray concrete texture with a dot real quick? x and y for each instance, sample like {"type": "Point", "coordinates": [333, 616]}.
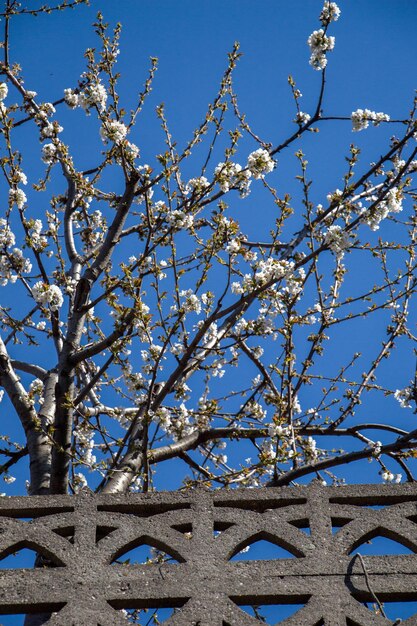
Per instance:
{"type": "Point", "coordinates": [80, 538]}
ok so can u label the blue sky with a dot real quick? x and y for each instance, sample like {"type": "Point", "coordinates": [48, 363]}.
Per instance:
{"type": "Point", "coordinates": [371, 66]}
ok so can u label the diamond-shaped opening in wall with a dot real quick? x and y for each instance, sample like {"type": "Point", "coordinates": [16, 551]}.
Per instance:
{"type": "Point", "coordinates": [144, 554]}
{"type": "Point", "coordinates": [20, 556]}
{"type": "Point", "coordinates": [149, 616]}
{"type": "Point", "coordinates": [186, 529]}
{"type": "Point", "coordinates": [261, 549]}
{"type": "Point", "coordinates": [18, 619]}
{"type": "Point", "coordinates": [271, 613]}
{"type": "Point", "coordinates": [103, 531]}
{"type": "Point", "coordinates": [66, 532]}
{"type": "Point", "coordinates": [301, 524]}
{"type": "Point", "coordinates": [376, 507]}
{"type": "Point", "coordinates": [12, 620]}
{"type": "Point", "coordinates": [339, 522]}
{"type": "Point", "coordinates": [400, 610]}
{"type": "Point", "coordinates": [379, 544]}
{"type": "Point", "coordinates": [393, 610]}
{"type": "Point", "coordinates": [219, 527]}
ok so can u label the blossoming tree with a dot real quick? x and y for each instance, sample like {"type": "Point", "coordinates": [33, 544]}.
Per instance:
{"type": "Point", "coordinates": [155, 329]}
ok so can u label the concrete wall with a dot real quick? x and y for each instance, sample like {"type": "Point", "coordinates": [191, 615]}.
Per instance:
{"type": "Point", "coordinates": [82, 536]}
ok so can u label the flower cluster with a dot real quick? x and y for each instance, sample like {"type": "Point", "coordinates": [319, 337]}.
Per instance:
{"type": "Point", "coordinates": [320, 44]}
{"type": "Point", "coordinates": [7, 237]}
{"type": "Point", "coordinates": [233, 246]}
{"type": "Point", "coordinates": [93, 95]}
{"type": "Point", "coordinates": [17, 196]}
{"type": "Point", "coordinates": [93, 227]}
{"type": "Point", "coordinates": [310, 449]}
{"type": "Point", "coordinates": [260, 163]}
{"type": "Point", "coordinates": [272, 269]}
{"type": "Point", "coordinates": [36, 391]}
{"type": "Point", "coordinates": [267, 270]}
{"type": "Point", "coordinates": [302, 118]}
{"type": "Point", "coordinates": [36, 240]}
{"type": "Point", "coordinates": [49, 153]}
{"type": "Point", "coordinates": [361, 118]}
{"type": "Point", "coordinates": [84, 436]}
{"type": "Point", "coordinates": [393, 200]}
{"type": "Point", "coordinates": [337, 240]}
{"type": "Point", "coordinates": [277, 430]}
{"type": "Point", "coordinates": [392, 203]}
{"type": "Point", "coordinates": [329, 13]}
{"type": "Point", "coordinates": [196, 185]}
{"type": "Point", "coordinates": [114, 131]}
{"type": "Point", "coordinates": [403, 396]}
{"type": "Point", "coordinates": [389, 477]}
{"type": "Point", "coordinates": [13, 264]}
{"type": "Point", "coordinates": [179, 219]}
{"type": "Point", "coordinates": [191, 301]}
{"type": "Point", "coordinates": [71, 98]}
{"type": "Point", "coordinates": [231, 175]}
{"type": "Point", "coordinates": [50, 129]}
{"type": "Point", "coordinates": [3, 91]}
{"type": "Point", "coordinates": [48, 295]}
{"type": "Point", "coordinates": [79, 482]}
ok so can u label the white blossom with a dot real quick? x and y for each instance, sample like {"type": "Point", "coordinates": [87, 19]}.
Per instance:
{"type": "Point", "coordinates": [337, 240]}
{"type": "Point", "coordinates": [17, 196]}
{"type": "Point", "coordinates": [51, 129]}
{"type": "Point", "coordinates": [37, 241]}
{"type": "Point", "coordinates": [273, 269]}
{"type": "Point", "coordinates": [302, 118]}
{"type": "Point", "coordinates": [236, 288]}
{"type": "Point", "coordinates": [90, 96]}
{"type": "Point", "coordinates": [260, 163]}
{"type": "Point", "coordinates": [48, 295]}
{"type": "Point", "coordinates": [49, 153]}
{"type": "Point", "coordinates": [36, 387]}
{"type": "Point", "coordinates": [403, 396]}
{"type": "Point", "coordinates": [21, 177]}
{"type": "Point", "coordinates": [3, 91]}
{"type": "Point", "coordinates": [7, 237]}
{"type": "Point", "coordinates": [320, 44]}
{"type": "Point", "coordinates": [114, 131]}
{"type": "Point", "coordinates": [12, 265]}
{"type": "Point", "coordinates": [71, 98]}
{"type": "Point", "coordinates": [276, 430]}
{"type": "Point", "coordinates": [392, 202]}
{"type": "Point", "coordinates": [196, 185]}
{"type": "Point", "coordinates": [233, 246]}
{"type": "Point", "coordinates": [376, 448]}
{"type": "Point", "coordinates": [296, 406]}
{"type": "Point", "coordinates": [180, 219]}
{"type": "Point", "coordinates": [388, 477]}
{"type": "Point", "coordinates": [177, 349]}
{"type": "Point", "coordinates": [361, 118]}
{"type": "Point", "coordinates": [79, 482]}
{"type": "Point", "coordinates": [191, 301]}
{"type": "Point", "coordinates": [231, 175]}
{"type": "Point", "coordinates": [329, 13]}
{"type": "Point", "coordinates": [132, 149]}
